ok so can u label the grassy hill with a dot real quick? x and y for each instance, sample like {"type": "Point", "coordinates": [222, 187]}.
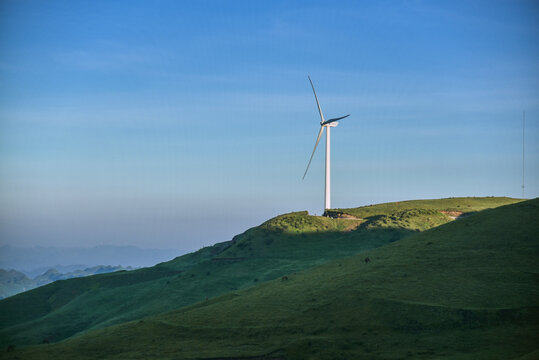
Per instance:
{"type": "Point", "coordinates": [319, 304]}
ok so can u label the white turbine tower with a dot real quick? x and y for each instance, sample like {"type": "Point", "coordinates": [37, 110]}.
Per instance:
{"type": "Point", "coordinates": [324, 124]}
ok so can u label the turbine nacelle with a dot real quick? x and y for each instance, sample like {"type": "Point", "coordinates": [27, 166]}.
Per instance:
{"type": "Point", "coordinates": [333, 120]}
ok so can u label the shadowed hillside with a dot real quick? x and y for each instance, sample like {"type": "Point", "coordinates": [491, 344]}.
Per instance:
{"type": "Point", "coordinates": [281, 246]}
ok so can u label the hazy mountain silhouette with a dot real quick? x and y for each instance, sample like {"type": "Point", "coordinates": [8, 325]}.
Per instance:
{"type": "Point", "coordinates": [13, 282]}
{"type": "Point", "coordinates": [36, 260]}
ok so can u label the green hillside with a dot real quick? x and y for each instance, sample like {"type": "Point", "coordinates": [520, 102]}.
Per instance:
{"type": "Point", "coordinates": [281, 246]}
{"type": "Point", "coordinates": [465, 290]}
{"type": "Point", "coordinates": [464, 205]}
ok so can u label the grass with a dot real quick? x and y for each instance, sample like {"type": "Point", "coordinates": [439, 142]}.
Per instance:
{"type": "Point", "coordinates": [343, 306]}
{"type": "Point", "coordinates": [461, 204]}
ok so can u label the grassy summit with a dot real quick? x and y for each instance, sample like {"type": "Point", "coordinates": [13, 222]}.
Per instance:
{"type": "Point", "coordinates": [442, 269]}
{"type": "Point", "coordinates": [451, 206]}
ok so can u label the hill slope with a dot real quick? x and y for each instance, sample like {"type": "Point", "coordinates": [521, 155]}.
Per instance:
{"type": "Point", "coordinates": [281, 246]}
{"type": "Point", "coordinates": [465, 290]}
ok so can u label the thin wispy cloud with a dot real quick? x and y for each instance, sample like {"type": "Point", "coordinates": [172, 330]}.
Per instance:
{"type": "Point", "coordinates": [100, 60]}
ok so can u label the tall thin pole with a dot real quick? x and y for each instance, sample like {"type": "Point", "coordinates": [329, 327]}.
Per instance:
{"type": "Point", "coordinates": [523, 128]}
{"type": "Point", "coordinates": [327, 202]}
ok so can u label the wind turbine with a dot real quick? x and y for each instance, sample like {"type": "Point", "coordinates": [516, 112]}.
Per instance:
{"type": "Point", "coordinates": [328, 124]}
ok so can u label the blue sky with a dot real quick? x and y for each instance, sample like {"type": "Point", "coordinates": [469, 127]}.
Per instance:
{"type": "Point", "coordinates": [178, 124]}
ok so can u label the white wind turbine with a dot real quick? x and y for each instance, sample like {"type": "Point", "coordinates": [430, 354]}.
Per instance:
{"type": "Point", "coordinates": [324, 124]}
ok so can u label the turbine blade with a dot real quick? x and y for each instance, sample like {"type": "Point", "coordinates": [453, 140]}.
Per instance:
{"type": "Point", "coordinates": [315, 145]}
{"type": "Point", "coordinates": [335, 119]}
{"type": "Point", "coordinates": [317, 103]}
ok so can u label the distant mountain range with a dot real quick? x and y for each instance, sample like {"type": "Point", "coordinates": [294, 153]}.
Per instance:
{"type": "Point", "coordinates": [35, 261]}
{"type": "Point", "coordinates": [13, 282]}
